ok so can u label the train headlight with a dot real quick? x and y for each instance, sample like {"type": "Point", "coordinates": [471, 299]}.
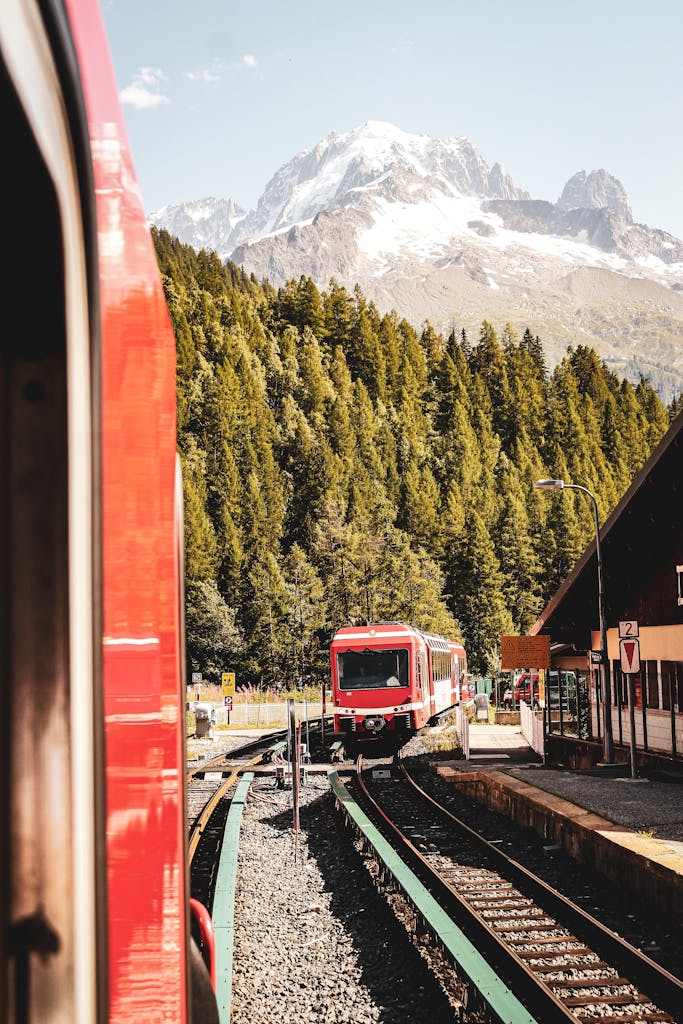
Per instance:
{"type": "Point", "coordinates": [374, 723]}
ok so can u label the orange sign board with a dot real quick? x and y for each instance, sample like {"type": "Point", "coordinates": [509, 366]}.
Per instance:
{"type": "Point", "coordinates": [524, 652]}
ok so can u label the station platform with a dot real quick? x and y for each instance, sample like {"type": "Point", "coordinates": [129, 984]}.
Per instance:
{"type": "Point", "coordinates": [630, 830]}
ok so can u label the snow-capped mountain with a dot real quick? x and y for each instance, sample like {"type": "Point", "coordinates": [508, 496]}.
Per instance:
{"type": "Point", "coordinates": [202, 223]}
{"type": "Point", "coordinates": [428, 228]}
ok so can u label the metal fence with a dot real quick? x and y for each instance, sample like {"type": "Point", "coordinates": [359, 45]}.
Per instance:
{"type": "Point", "coordinates": [462, 727]}
{"type": "Point", "coordinates": [267, 715]}
{"type": "Point", "coordinates": [532, 728]}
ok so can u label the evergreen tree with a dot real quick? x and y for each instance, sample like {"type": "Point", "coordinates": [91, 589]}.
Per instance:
{"type": "Point", "coordinates": [214, 642]}
{"type": "Point", "coordinates": [675, 407]}
{"type": "Point", "coordinates": [475, 583]}
{"type": "Point", "coordinates": [321, 441]}
{"type": "Point", "coordinates": [517, 554]}
{"type": "Point", "coordinates": [200, 537]}
{"type": "Point", "coordinates": [306, 620]}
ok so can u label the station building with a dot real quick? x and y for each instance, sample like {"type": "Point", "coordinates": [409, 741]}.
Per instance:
{"type": "Point", "coordinates": [642, 569]}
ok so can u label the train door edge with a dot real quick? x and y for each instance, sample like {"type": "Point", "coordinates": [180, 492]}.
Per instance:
{"type": "Point", "coordinates": [52, 917]}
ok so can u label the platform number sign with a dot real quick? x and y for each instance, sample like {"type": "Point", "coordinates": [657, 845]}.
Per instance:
{"type": "Point", "coordinates": [628, 629]}
{"type": "Point", "coordinates": [629, 646]}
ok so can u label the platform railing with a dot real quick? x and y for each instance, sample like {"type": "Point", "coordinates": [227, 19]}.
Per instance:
{"type": "Point", "coordinates": [531, 724]}
{"type": "Point", "coordinates": [462, 727]}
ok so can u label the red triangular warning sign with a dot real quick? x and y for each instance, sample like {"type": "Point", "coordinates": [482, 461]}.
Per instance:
{"type": "Point", "coordinates": [629, 652]}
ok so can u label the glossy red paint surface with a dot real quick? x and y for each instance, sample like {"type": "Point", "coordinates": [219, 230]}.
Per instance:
{"type": "Point", "coordinates": [144, 714]}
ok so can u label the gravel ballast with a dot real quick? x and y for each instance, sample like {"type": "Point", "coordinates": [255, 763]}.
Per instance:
{"type": "Point", "coordinates": [314, 940]}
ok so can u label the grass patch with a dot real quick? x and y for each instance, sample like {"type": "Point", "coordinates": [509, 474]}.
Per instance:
{"type": "Point", "coordinates": [443, 745]}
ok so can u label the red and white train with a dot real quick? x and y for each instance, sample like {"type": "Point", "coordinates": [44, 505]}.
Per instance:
{"type": "Point", "coordinates": [95, 920]}
{"type": "Point", "coordinates": [389, 679]}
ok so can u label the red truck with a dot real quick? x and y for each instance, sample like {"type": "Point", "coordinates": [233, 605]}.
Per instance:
{"type": "Point", "coordinates": [524, 685]}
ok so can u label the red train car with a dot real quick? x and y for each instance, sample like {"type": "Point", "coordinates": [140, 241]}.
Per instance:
{"type": "Point", "coordinates": [389, 679]}
{"type": "Point", "coordinates": [94, 888]}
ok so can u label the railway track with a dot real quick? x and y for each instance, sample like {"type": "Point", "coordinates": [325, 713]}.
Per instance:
{"type": "Point", "coordinates": [562, 964]}
{"type": "Point", "coordinates": [210, 788]}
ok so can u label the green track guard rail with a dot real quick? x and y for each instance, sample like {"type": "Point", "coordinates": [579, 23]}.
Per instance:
{"type": "Point", "coordinates": [224, 899]}
{"type": "Point", "coordinates": [276, 749]}
{"type": "Point", "coordinates": [336, 751]}
{"type": "Point", "coordinates": [503, 1003]}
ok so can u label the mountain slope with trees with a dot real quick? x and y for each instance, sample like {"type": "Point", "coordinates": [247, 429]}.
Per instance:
{"type": "Point", "coordinates": [340, 464]}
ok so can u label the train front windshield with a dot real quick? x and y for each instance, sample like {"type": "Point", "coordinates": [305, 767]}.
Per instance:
{"type": "Point", "coordinates": [372, 669]}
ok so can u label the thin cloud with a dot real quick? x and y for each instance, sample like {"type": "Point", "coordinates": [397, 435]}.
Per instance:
{"type": "Point", "coordinates": [145, 91]}
{"type": "Point", "coordinates": [248, 61]}
{"type": "Point", "coordinates": [212, 73]}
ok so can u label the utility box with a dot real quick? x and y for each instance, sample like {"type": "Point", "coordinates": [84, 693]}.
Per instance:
{"type": "Point", "coordinates": [205, 718]}
{"type": "Point", "coordinates": [481, 704]}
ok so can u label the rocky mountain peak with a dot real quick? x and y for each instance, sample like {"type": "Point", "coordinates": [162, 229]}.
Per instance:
{"type": "Point", "coordinates": [375, 159]}
{"type": "Point", "coordinates": [203, 223]}
{"type": "Point", "coordinates": [597, 190]}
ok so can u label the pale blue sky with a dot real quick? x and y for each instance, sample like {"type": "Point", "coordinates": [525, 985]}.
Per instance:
{"type": "Point", "coordinates": [217, 95]}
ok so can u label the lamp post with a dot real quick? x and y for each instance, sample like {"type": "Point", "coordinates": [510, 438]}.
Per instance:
{"type": "Point", "coordinates": [608, 744]}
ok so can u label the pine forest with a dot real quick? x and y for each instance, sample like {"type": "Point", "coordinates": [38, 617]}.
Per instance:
{"type": "Point", "coordinates": [341, 465]}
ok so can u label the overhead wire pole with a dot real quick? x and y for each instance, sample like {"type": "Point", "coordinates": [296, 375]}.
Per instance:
{"type": "Point", "coordinates": [608, 742]}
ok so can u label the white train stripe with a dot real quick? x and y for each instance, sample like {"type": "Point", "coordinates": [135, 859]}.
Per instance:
{"type": "Point", "coordinates": [340, 639]}
{"type": "Point", "coordinates": [399, 709]}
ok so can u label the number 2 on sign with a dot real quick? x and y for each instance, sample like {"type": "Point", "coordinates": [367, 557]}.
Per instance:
{"type": "Point", "coordinates": [628, 628]}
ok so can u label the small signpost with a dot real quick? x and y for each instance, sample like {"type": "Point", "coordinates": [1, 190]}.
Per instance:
{"type": "Point", "coordinates": [228, 684]}
{"type": "Point", "coordinates": [629, 654]}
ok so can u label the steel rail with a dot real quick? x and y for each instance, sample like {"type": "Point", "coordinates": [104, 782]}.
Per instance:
{"type": "Point", "coordinates": [540, 1001]}
{"type": "Point", "coordinates": [215, 765]}
{"type": "Point", "coordinates": [469, 963]}
{"type": "Point", "coordinates": [205, 817]}
{"type": "Point", "coordinates": [660, 984]}
{"type": "Point", "coordinates": [220, 759]}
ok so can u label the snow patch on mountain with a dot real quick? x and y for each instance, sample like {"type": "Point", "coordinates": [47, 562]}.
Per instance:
{"type": "Point", "coordinates": [428, 229]}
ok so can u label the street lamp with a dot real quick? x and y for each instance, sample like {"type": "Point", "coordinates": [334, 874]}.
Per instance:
{"type": "Point", "coordinates": [608, 745]}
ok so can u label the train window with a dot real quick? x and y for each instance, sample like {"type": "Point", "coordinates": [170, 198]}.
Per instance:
{"type": "Point", "coordinates": [372, 669]}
